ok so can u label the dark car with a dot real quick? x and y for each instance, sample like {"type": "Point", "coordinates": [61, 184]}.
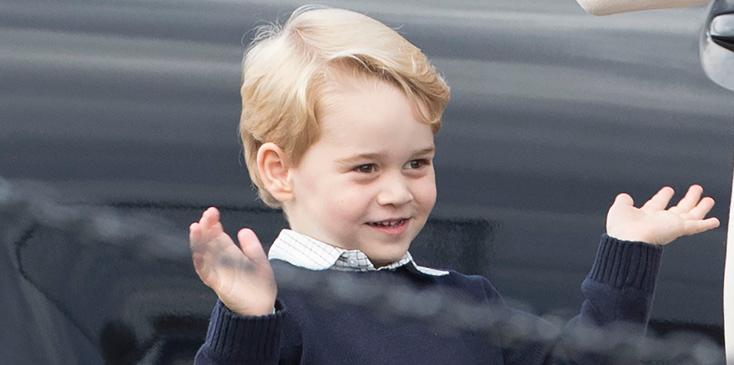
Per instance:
{"type": "Point", "coordinates": [118, 126]}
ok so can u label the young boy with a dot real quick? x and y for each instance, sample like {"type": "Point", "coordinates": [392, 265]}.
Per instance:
{"type": "Point", "coordinates": [338, 124]}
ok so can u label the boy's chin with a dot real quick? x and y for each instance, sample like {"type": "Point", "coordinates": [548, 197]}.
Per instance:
{"type": "Point", "coordinates": [386, 258]}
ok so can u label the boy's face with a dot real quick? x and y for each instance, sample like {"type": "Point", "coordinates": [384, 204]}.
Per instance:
{"type": "Point", "coordinates": [368, 183]}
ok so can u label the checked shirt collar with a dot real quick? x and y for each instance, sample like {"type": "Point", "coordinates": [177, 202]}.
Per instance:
{"type": "Point", "coordinates": [309, 253]}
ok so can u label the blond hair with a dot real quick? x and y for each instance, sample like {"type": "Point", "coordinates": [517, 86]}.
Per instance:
{"type": "Point", "coordinates": [286, 69]}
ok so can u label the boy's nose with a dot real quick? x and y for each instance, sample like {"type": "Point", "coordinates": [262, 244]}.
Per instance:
{"type": "Point", "coordinates": [394, 192]}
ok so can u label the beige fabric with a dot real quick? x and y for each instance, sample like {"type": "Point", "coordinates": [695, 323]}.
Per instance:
{"type": "Point", "coordinates": [729, 285]}
{"type": "Point", "coordinates": [605, 7]}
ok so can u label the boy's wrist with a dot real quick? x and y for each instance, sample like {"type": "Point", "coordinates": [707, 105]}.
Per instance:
{"type": "Point", "coordinates": [241, 339]}
{"type": "Point", "coordinates": [622, 263]}
{"type": "Point", "coordinates": [630, 236]}
{"type": "Point", "coordinates": [252, 312]}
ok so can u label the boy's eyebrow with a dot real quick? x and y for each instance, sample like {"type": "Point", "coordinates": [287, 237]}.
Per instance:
{"type": "Point", "coordinates": [374, 156]}
{"type": "Point", "coordinates": [357, 158]}
{"type": "Point", "coordinates": [426, 150]}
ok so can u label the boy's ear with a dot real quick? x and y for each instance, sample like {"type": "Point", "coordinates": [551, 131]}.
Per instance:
{"type": "Point", "coordinates": [273, 167]}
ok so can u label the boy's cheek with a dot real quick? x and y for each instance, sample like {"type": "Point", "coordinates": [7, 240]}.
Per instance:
{"type": "Point", "coordinates": [427, 193]}
{"type": "Point", "coordinates": [346, 205]}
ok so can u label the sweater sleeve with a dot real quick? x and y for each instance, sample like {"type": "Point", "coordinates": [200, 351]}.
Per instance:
{"type": "Point", "coordinates": [618, 292]}
{"type": "Point", "coordinates": [621, 283]}
{"type": "Point", "coordinates": [234, 339]}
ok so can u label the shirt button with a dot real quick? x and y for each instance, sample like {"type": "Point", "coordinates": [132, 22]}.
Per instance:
{"type": "Point", "coordinates": [353, 262]}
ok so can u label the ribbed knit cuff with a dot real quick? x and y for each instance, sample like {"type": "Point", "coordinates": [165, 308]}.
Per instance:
{"type": "Point", "coordinates": [236, 338]}
{"type": "Point", "coordinates": [623, 264]}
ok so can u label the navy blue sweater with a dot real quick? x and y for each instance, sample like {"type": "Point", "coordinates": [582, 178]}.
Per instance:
{"type": "Point", "coordinates": [315, 330]}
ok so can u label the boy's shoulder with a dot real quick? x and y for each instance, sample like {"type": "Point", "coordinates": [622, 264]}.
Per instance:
{"type": "Point", "coordinates": [479, 287]}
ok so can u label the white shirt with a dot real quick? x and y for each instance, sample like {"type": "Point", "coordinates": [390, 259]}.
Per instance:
{"type": "Point", "coordinates": [309, 253]}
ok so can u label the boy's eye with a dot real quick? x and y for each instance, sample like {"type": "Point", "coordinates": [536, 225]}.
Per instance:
{"type": "Point", "coordinates": [416, 164]}
{"type": "Point", "coordinates": [365, 168]}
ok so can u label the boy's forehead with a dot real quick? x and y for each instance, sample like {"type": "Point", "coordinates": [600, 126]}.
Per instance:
{"type": "Point", "coordinates": [374, 138]}
{"type": "Point", "coordinates": [365, 108]}
{"type": "Point", "coordinates": [371, 117]}
{"type": "Point", "coordinates": [379, 153]}
{"type": "Point", "coordinates": [340, 83]}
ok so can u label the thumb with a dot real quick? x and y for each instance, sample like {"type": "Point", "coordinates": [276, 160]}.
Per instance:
{"type": "Point", "coordinates": [251, 246]}
{"type": "Point", "coordinates": [624, 199]}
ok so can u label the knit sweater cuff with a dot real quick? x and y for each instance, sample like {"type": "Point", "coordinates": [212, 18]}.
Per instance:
{"type": "Point", "coordinates": [236, 338]}
{"type": "Point", "coordinates": [624, 264]}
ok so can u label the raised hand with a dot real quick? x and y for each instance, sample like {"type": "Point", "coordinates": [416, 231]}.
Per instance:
{"type": "Point", "coordinates": [654, 224]}
{"type": "Point", "coordinates": [240, 275]}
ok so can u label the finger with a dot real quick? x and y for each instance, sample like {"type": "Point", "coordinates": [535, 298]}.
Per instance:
{"type": "Point", "coordinates": [210, 217]}
{"type": "Point", "coordinates": [251, 246]}
{"type": "Point", "coordinates": [210, 224]}
{"type": "Point", "coordinates": [198, 251]}
{"type": "Point", "coordinates": [202, 220]}
{"type": "Point", "coordinates": [660, 200]}
{"type": "Point", "coordinates": [194, 233]}
{"type": "Point", "coordinates": [691, 199]}
{"type": "Point", "coordinates": [703, 208]}
{"type": "Point", "coordinates": [198, 242]}
{"type": "Point", "coordinates": [698, 226]}
{"type": "Point", "coordinates": [624, 199]}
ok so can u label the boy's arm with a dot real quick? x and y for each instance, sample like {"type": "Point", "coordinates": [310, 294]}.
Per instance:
{"type": "Point", "coordinates": [243, 328]}
{"type": "Point", "coordinates": [620, 286]}
{"type": "Point", "coordinates": [618, 293]}
{"type": "Point", "coordinates": [235, 339]}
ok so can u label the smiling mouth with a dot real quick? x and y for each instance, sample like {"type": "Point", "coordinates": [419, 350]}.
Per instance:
{"type": "Point", "coordinates": [390, 223]}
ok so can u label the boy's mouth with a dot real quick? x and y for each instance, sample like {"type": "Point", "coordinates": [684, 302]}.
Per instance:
{"type": "Point", "coordinates": [391, 227]}
{"type": "Point", "coordinates": [389, 223]}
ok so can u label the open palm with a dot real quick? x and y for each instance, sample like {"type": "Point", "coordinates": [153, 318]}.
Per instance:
{"type": "Point", "coordinates": [240, 275]}
{"type": "Point", "coordinates": [653, 223]}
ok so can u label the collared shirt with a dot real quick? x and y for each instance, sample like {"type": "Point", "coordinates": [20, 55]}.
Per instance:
{"type": "Point", "coordinates": [309, 253]}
